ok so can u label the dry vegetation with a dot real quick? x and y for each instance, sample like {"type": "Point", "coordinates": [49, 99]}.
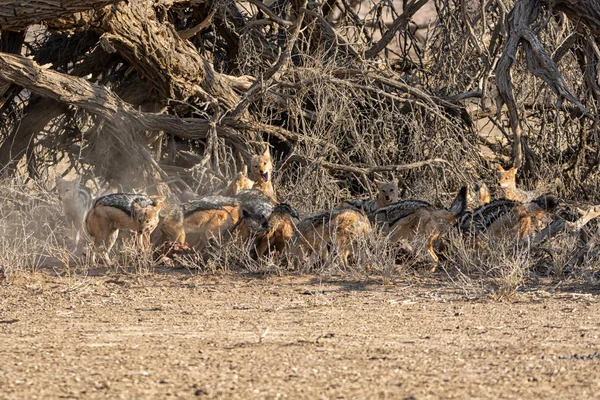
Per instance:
{"type": "Point", "coordinates": [342, 97]}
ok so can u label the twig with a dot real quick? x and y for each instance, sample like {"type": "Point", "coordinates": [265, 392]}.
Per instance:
{"type": "Point", "coordinates": [188, 33]}
{"type": "Point", "coordinates": [367, 170]}
{"type": "Point", "coordinates": [270, 13]}
{"type": "Point", "coordinates": [410, 10]}
{"type": "Point", "coordinates": [272, 73]}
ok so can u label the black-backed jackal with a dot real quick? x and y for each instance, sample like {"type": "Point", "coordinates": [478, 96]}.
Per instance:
{"type": "Point", "coordinates": [410, 219]}
{"type": "Point", "coordinates": [256, 210]}
{"type": "Point", "coordinates": [135, 212]}
{"type": "Point", "coordinates": [337, 228]}
{"type": "Point", "coordinates": [200, 221]}
{"type": "Point", "coordinates": [388, 194]}
{"type": "Point", "coordinates": [240, 182]}
{"type": "Point", "coordinates": [280, 229]}
{"type": "Point", "coordinates": [75, 203]}
{"type": "Point", "coordinates": [508, 185]}
{"type": "Point", "coordinates": [504, 218]}
{"type": "Point", "coordinates": [261, 172]}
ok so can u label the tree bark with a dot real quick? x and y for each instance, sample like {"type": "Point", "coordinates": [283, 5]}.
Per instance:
{"type": "Point", "coordinates": [100, 101]}
{"type": "Point", "coordinates": [17, 15]}
{"type": "Point", "coordinates": [169, 64]}
{"type": "Point", "coordinates": [539, 63]}
{"type": "Point", "coordinates": [586, 12]}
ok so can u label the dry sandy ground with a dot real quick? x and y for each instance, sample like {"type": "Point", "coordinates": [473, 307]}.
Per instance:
{"type": "Point", "coordinates": [178, 335]}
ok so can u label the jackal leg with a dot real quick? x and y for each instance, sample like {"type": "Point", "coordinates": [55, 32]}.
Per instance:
{"type": "Point", "coordinates": [432, 238]}
{"type": "Point", "coordinates": [263, 246]}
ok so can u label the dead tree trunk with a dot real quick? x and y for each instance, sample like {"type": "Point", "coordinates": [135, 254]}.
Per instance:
{"type": "Point", "coordinates": [539, 63]}
{"type": "Point", "coordinates": [17, 15]}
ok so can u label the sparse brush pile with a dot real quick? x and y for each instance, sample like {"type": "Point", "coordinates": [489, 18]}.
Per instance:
{"type": "Point", "coordinates": [31, 229]}
{"type": "Point", "coordinates": [174, 96]}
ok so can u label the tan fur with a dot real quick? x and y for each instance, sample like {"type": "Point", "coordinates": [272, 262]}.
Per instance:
{"type": "Point", "coordinates": [508, 185]}
{"type": "Point", "coordinates": [344, 227]}
{"type": "Point", "coordinates": [517, 223]}
{"type": "Point", "coordinates": [478, 195]}
{"type": "Point", "coordinates": [388, 192]}
{"type": "Point", "coordinates": [201, 226]}
{"type": "Point", "coordinates": [211, 224]}
{"type": "Point", "coordinates": [484, 195]}
{"type": "Point", "coordinates": [239, 183]}
{"type": "Point", "coordinates": [171, 225]}
{"type": "Point", "coordinates": [427, 222]}
{"type": "Point", "coordinates": [103, 224]}
{"type": "Point", "coordinates": [261, 166]}
{"type": "Point", "coordinates": [423, 223]}
{"type": "Point", "coordinates": [279, 234]}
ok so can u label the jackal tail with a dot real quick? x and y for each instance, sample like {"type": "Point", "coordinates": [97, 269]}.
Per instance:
{"type": "Point", "coordinates": [456, 209]}
{"type": "Point", "coordinates": [546, 202]}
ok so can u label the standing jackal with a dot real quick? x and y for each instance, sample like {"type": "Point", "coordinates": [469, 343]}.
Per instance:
{"type": "Point", "coordinates": [75, 202]}
{"type": "Point", "coordinates": [409, 219]}
{"type": "Point", "coordinates": [280, 229]}
{"type": "Point", "coordinates": [256, 210]}
{"type": "Point", "coordinates": [261, 172]}
{"type": "Point", "coordinates": [136, 212]}
{"type": "Point", "coordinates": [506, 218]}
{"type": "Point", "coordinates": [337, 228]}
{"type": "Point", "coordinates": [200, 221]}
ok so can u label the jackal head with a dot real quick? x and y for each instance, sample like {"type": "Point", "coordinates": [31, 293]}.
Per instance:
{"type": "Point", "coordinates": [388, 191]}
{"type": "Point", "coordinates": [241, 181]}
{"type": "Point", "coordinates": [506, 177]}
{"type": "Point", "coordinates": [66, 188]}
{"type": "Point", "coordinates": [147, 218]}
{"type": "Point", "coordinates": [255, 222]}
{"type": "Point", "coordinates": [262, 166]}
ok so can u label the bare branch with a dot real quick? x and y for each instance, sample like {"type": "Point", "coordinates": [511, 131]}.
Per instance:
{"type": "Point", "coordinates": [16, 15]}
{"type": "Point", "coordinates": [402, 20]}
{"type": "Point", "coordinates": [188, 33]}
{"type": "Point", "coordinates": [367, 170]}
{"type": "Point", "coordinates": [270, 13]}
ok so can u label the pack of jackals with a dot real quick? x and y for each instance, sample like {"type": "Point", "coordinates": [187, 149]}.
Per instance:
{"type": "Point", "coordinates": [248, 211]}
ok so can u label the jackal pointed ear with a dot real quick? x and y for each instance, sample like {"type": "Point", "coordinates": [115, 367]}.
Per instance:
{"type": "Point", "coordinates": [267, 152]}
{"type": "Point", "coordinates": [499, 168]}
{"type": "Point", "coordinates": [136, 207]}
{"type": "Point", "coordinates": [245, 169]}
{"type": "Point", "coordinates": [513, 170]}
{"type": "Point", "coordinates": [395, 181]}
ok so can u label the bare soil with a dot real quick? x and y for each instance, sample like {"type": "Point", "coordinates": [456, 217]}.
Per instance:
{"type": "Point", "coordinates": [181, 335]}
